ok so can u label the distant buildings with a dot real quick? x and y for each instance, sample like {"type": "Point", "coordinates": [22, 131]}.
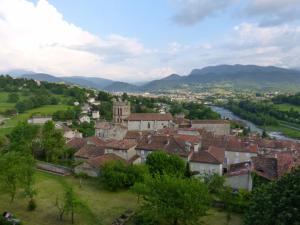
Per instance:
{"type": "Point", "coordinates": [39, 119]}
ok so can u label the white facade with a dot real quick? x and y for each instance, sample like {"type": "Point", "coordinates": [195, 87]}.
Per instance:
{"type": "Point", "coordinates": [206, 168]}
{"type": "Point", "coordinates": [95, 115]}
{"type": "Point", "coordinates": [39, 120]}
{"type": "Point", "coordinates": [233, 157]}
{"type": "Point", "coordinates": [84, 118]}
{"type": "Point", "coordinates": [145, 125]}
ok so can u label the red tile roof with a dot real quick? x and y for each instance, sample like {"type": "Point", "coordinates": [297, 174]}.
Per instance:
{"type": "Point", "coordinates": [76, 143]}
{"type": "Point", "coordinates": [204, 157]}
{"type": "Point", "coordinates": [149, 117]}
{"type": "Point", "coordinates": [102, 159]}
{"type": "Point", "coordinates": [95, 141]}
{"type": "Point", "coordinates": [239, 169]}
{"type": "Point", "coordinates": [89, 151]}
{"type": "Point", "coordinates": [218, 153]}
{"type": "Point", "coordinates": [210, 122]}
{"type": "Point", "coordinates": [121, 144]}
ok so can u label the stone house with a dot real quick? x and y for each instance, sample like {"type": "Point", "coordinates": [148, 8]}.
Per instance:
{"type": "Point", "coordinates": [149, 121]}
{"type": "Point", "coordinates": [84, 118]}
{"type": "Point", "coordinates": [122, 148]}
{"type": "Point", "coordinates": [218, 127]}
{"type": "Point", "coordinates": [92, 167]}
{"type": "Point", "coordinates": [107, 130]}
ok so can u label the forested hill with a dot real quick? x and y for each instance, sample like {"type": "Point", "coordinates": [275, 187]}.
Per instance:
{"type": "Point", "coordinates": [236, 76]}
{"type": "Point", "coordinates": [240, 76]}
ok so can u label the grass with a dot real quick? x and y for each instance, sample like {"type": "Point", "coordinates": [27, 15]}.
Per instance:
{"type": "Point", "coordinates": [289, 132]}
{"type": "Point", "coordinates": [287, 107]}
{"type": "Point", "coordinates": [44, 110]}
{"type": "Point", "coordinates": [99, 206]}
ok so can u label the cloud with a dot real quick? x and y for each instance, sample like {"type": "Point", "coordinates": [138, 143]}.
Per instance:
{"type": "Point", "coordinates": [36, 37]}
{"type": "Point", "coordinates": [193, 11]}
{"type": "Point", "coordinates": [273, 12]}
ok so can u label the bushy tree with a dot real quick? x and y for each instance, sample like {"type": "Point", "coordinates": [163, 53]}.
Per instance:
{"type": "Point", "coordinates": [276, 203]}
{"type": "Point", "coordinates": [160, 162]}
{"type": "Point", "coordinates": [173, 200]}
{"type": "Point", "coordinates": [116, 174]}
{"type": "Point", "coordinates": [13, 97]}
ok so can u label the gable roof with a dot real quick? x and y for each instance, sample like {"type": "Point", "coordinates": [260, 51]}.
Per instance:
{"type": "Point", "coordinates": [210, 122]}
{"type": "Point", "coordinates": [124, 144]}
{"type": "Point", "coordinates": [204, 157]}
{"type": "Point", "coordinates": [218, 153]}
{"type": "Point", "coordinates": [89, 151]}
{"type": "Point", "coordinates": [149, 117]}
{"type": "Point", "coordinates": [98, 161]}
{"type": "Point", "coordinates": [76, 143]}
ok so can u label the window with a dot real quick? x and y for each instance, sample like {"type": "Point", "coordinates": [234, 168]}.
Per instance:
{"type": "Point", "coordinates": [149, 125]}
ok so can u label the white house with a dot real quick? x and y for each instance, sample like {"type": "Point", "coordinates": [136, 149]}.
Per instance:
{"type": "Point", "coordinates": [39, 119]}
{"type": "Point", "coordinates": [218, 127]}
{"type": "Point", "coordinates": [95, 115]}
{"type": "Point", "coordinates": [84, 118]}
{"type": "Point", "coordinates": [149, 121]}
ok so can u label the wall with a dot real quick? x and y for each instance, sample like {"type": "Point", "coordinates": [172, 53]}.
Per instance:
{"type": "Point", "coordinates": [219, 129]}
{"type": "Point", "coordinates": [232, 157]}
{"type": "Point", "coordinates": [147, 125]}
{"type": "Point", "coordinates": [243, 181]}
{"type": "Point", "coordinates": [206, 168]}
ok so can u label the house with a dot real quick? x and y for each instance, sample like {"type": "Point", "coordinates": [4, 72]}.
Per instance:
{"type": "Point", "coordinates": [122, 148]}
{"type": "Point", "coordinates": [239, 176]}
{"type": "Point", "coordinates": [39, 119]}
{"type": "Point", "coordinates": [95, 115]}
{"type": "Point", "coordinates": [84, 118]}
{"type": "Point", "coordinates": [92, 167]}
{"type": "Point", "coordinates": [218, 127]}
{"type": "Point", "coordinates": [85, 109]}
{"type": "Point", "coordinates": [76, 143]}
{"type": "Point", "coordinates": [76, 103]}
{"type": "Point", "coordinates": [149, 121]}
{"type": "Point", "coordinates": [89, 151]}
{"type": "Point", "coordinates": [170, 144]}
{"type": "Point", "coordinates": [91, 100]}
{"type": "Point", "coordinates": [208, 161]}
{"type": "Point", "coordinates": [238, 151]}
{"type": "Point", "coordinates": [68, 132]}
{"type": "Point", "coordinates": [107, 130]}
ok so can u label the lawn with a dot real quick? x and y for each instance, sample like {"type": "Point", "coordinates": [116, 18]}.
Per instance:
{"type": "Point", "coordinates": [287, 107]}
{"type": "Point", "coordinates": [99, 206]}
{"type": "Point", "coordinates": [44, 110]}
{"type": "Point", "coordinates": [289, 132]}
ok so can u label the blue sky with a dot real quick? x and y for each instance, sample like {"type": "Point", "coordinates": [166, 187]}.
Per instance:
{"type": "Point", "coordinates": [141, 40]}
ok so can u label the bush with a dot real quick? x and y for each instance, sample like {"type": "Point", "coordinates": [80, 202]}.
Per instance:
{"type": "Point", "coordinates": [117, 175]}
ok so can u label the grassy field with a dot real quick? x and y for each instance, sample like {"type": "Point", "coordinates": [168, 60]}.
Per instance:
{"type": "Point", "coordinates": [289, 132]}
{"type": "Point", "coordinates": [287, 107]}
{"type": "Point", "coordinates": [44, 110]}
{"type": "Point", "coordinates": [99, 206]}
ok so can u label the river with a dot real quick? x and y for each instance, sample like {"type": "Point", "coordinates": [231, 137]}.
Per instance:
{"type": "Point", "coordinates": [225, 113]}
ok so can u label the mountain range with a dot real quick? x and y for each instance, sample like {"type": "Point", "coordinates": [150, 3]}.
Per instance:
{"type": "Point", "coordinates": [237, 76]}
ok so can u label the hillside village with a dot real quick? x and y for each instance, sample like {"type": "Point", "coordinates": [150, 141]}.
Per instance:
{"type": "Point", "coordinates": [208, 146]}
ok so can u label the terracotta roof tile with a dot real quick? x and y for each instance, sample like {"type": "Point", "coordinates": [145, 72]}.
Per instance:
{"type": "Point", "coordinates": [204, 157]}
{"type": "Point", "coordinates": [102, 159]}
{"type": "Point", "coordinates": [89, 151]}
{"type": "Point", "coordinates": [121, 144]}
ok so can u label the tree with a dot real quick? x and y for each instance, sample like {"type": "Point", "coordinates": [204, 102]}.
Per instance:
{"type": "Point", "coordinates": [53, 142]}
{"type": "Point", "coordinates": [160, 162]}
{"type": "Point", "coordinates": [214, 182]}
{"type": "Point", "coordinates": [276, 202]}
{"type": "Point", "coordinates": [13, 97]}
{"type": "Point", "coordinates": [27, 179]}
{"type": "Point", "coordinates": [10, 169]}
{"type": "Point", "coordinates": [71, 203]}
{"type": "Point", "coordinates": [116, 174]}
{"type": "Point", "coordinates": [174, 200]}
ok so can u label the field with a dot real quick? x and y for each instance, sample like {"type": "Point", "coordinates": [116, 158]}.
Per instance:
{"type": "Point", "coordinates": [287, 107]}
{"type": "Point", "coordinates": [99, 206]}
{"type": "Point", "coordinates": [10, 123]}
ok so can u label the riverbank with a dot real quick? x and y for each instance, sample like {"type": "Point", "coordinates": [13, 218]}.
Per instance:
{"type": "Point", "coordinates": [280, 132]}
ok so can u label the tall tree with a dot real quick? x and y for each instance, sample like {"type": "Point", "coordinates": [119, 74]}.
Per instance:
{"type": "Point", "coordinates": [53, 142]}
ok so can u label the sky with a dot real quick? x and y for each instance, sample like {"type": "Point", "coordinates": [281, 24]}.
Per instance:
{"type": "Point", "coordinates": [141, 40]}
